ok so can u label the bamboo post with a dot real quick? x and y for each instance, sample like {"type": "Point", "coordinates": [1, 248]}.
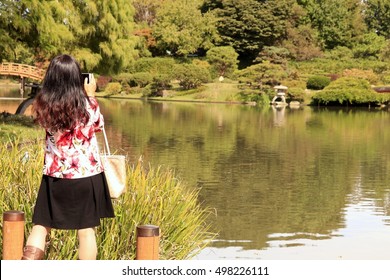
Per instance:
{"type": "Point", "coordinates": [148, 242]}
{"type": "Point", "coordinates": [13, 235]}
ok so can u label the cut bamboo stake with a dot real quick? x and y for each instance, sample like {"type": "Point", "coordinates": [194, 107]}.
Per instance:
{"type": "Point", "coordinates": [148, 242]}
{"type": "Point", "coordinates": [13, 235]}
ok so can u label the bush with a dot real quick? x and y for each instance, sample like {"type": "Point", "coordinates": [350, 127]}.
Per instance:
{"type": "Point", "coordinates": [385, 77]}
{"type": "Point", "coordinates": [102, 82]}
{"type": "Point", "coordinates": [254, 96]}
{"type": "Point", "coordinates": [223, 60]}
{"type": "Point", "coordinates": [154, 65]}
{"type": "Point", "coordinates": [113, 88]}
{"type": "Point", "coordinates": [191, 76]}
{"type": "Point", "coordinates": [369, 75]}
{"type": "Point", "coordinates": [160, 83]}
{"type": "Point", "coordinates": [317, 82]}
{"type": "Point", "coordinates": [263, 74]}
{"type": "Point", "coordinates": [349, 91]}
{"type": "Point", "coordinates": [296, 94]}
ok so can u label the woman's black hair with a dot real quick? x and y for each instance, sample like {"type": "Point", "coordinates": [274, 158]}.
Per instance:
{"type": "Point", "coordinates": [61, 103]}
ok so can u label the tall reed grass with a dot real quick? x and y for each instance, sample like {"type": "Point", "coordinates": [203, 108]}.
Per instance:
{"type": "Point", "coordinates": [154, 196]}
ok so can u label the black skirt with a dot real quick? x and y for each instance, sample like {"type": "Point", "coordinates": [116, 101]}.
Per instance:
{"type": "Point", "coordinates": [72, 203]}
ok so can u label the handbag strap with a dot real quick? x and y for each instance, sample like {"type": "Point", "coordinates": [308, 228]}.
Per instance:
{"type": "Point", "coordinates": [106, 142]}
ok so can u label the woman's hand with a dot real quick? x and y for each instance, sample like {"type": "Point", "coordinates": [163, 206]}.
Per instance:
{"type": "Point", "coordinates": [90, 87]}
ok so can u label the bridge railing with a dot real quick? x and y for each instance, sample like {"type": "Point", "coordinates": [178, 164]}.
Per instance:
{"type": "Point", "coordinates": [22, 70]}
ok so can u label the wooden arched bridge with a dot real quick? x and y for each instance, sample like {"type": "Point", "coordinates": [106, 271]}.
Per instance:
{"type": "Point", "coordinates": [22, 70]}
{"type": "Point", "coordinates": [25, 72]}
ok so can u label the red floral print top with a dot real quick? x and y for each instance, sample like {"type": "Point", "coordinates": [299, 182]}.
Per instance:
{"type": "Point", "coordinates": [74, 153]}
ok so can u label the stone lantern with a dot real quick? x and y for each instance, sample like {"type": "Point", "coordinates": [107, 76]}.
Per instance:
{"type": "Point", "coordinates": [281, 94]}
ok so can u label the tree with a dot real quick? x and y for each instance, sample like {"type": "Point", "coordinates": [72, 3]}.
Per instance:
{"type": "Point", "coordinates": [146, 10]}
{"type": "Point", "coordinates": [181, 28]}
{"type": "Point", "coordinates": [302, 41]}
{"type": "Point", "coordinates": [249, 25]}
{"type": "Point", "coordinates": [191, 76]}
{"type": "Point", "coordinates": [369, 45]}
{"type": "Point", "coordinates": [106, 42]}
{"type": "Point", "coordinates": [38, 28]}
{"type": "Point", "coordinates": [337, 21]}
{"type": "Point", "coordinates": [223, 60]}
{"type": "Point", "coordinates": [262, 75]}
{"type": "Point", "coordinates": [145, 17]}
{"type": "Point", "coordinates": [377, 16]}
{"type": "Point", "coordinates": [98, 33]}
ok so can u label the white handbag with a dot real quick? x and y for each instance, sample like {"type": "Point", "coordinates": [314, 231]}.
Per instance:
{"type": "Point", "coordinates": [114, 170]}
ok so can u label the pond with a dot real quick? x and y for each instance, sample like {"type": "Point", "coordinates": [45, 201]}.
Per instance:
{"type": "Point", "coordinates": [282, 183]}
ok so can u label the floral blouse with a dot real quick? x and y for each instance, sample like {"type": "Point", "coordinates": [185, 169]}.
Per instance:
{"type": "Point", "coordinates": [75, 154]}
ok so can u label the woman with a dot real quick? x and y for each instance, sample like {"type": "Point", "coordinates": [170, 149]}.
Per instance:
{"type": "Point", "coordinates": [73, 193]}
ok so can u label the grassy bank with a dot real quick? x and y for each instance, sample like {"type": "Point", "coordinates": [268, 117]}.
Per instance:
{"type": "Point", "coordinates": [154, 196]}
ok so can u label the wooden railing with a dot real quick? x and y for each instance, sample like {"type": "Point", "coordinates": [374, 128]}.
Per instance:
{"type": "Point", "coordinates": [22, 70]}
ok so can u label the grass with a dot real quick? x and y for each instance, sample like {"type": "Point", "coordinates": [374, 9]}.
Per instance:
{"type": "Point", "coordinates": [225, 91]}
{"type": "Point", "coordinates": [21, 127]}
{"type": "Point", "coordinates": [154, 196]}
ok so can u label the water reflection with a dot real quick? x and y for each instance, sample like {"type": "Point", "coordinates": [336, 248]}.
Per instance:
{"type": "Point", "coordinates": [284, 183]}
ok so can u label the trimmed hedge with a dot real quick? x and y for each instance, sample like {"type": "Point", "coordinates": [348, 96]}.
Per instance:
{"type": "Point", "coordinates": [318, 82]}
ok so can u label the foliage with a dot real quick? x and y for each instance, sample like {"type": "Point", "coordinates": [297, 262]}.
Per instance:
{"type": "Point", "coordinates": [223, 60]}
{"type": "Point", "coordinates": [385, 53]}
{"type": "Point", "coordinates": [160, 83]}
{"type": "Point", "coordinates": [385, 77]}
{"type": "Point", "coordinates": [141, 79]}
{"type": "Point", "coordinates": [102, 82]}
{"type": "Point", "coordinates": [349, 91]}
{"type": "Point", "coordinates": [302, 43]}
{"type": "Point", "coordinates": [191, 76]}
{"type": "Point", "coordinates": [250, 95]}
{"type": "Point", "coordinates": [377, 17]}
{"type": "Point", "coordinates": [339, 53]}
{"type": "Point", "coordinates": [274, 55]}
{"type": "Point", "coordinates": [317, 82]}
{"type": "Point", "coordinates": [181, 28]}
{"type": "Point", "coordinates": [262, 75]}
{"type": "Point", "coordinates": [154, 66]}
{"type": "Point", "coordinates": [249, 25]}
{"type": "Point", "coordinates": [17, 127]}
{"type": "Point", "coordinates": [337, 21]}
{"type": "Point", "coordinates": [146, 10]}
{"type": "Point", "coordinates": [154, 196]}
{"type": "Point", "coordinates": [369, 45]}
{"type": "Point", "coordinates": [369, 75]}
{"type": "Point", "coordinates": [296, 94]}
{"type": "Point", "coordinates": [97, 33]}
{"type": "Point", "coordinates": [113, 88]}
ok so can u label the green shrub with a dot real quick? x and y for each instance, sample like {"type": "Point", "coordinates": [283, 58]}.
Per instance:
{"type": "Point", "coordinates": [317, 82]}
{"type": "Point", "coordinates": [191, 76]}
{"type": "Point", "coordinates": [385, 78]}
{"type": "Point", "coordinates": [262, 74]}
{"type": "Point", "coordinates": [349, 91]}
{"type": "Point", "coordinates": [160, 83]}
{"type": "Point", "coordinates": [154, 65]}
{"type": "Point", "coordinates": [368, 75]}
{"type": "Point", "coordinates": [223, 60]}
{"type": "Point", "coordinates": [254, 96]}
{"type": "Point", "coordinates": [113, 88]}
{"type": "Point", "coordinates": [296, 94]}
{"type": "Point", "coordinates": [154, 196]}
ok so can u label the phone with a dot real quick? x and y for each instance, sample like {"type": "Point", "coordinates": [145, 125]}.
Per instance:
{"type": "Point", "coordinates": [88, 76]}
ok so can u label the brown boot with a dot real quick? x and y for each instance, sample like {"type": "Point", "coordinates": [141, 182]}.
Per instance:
{"type": "Point", "coordinates": [32, 253]}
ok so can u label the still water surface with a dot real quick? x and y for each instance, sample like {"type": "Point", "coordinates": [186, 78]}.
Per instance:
{"type": "Point", "coordinates": [303, 183]}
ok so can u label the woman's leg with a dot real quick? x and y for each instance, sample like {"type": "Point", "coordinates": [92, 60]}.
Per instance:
{"type": "Point", "coordinates": [35, 245]}
{"type": "Point", "coordinates": [87, 244]}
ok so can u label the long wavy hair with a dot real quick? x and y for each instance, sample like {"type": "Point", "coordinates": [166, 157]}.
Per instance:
{"type": "Point", "coordinates": [61, 103]}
